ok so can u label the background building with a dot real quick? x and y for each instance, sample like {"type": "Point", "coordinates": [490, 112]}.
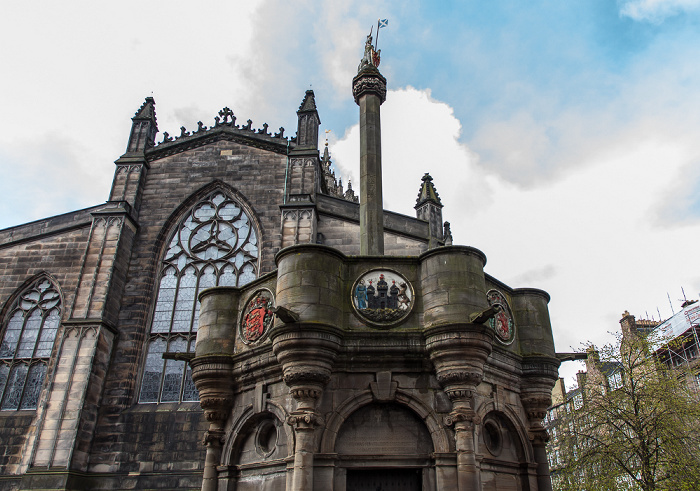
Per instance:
{"type": "Point", "coordinates": [633, 397]}
{"type": "Point", "coordinates": [337, 345]}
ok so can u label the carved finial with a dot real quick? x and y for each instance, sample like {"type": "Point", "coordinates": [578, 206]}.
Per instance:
{"type": "Point", "coordinates": [166, 137]}
{"type": "Point", "coordinates": [227, 113]}
{"type": "Point", "coordinates": [184, 132]}
{"type": "Point", "coordinates": [309, 102]}
{"type": "Point", "coordinates": [350, 194]}
{"type": "Point", "coordinates": [248, 127]}
{"type": "Point", "coordinates": [143, 128]}
{"type": "Point", "coordinates": [201, 127]}
{"type": "Point", "coordinates": [447, 234]}
{"type": "Point", "coordinates": [428, 192]}
{"type": "Point", "coordinates": [281, 133]}
{"type": "Point", "coordinates": [263, 130]}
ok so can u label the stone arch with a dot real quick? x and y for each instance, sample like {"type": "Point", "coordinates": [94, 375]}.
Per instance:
{"type": "Point", "coordinates": [515, 423]}
{"type": "Point", "coordinates": [10, 301]}
{"type": "Point", "coordinates": [179, 212]}
{"type": "Point", "coordinates": [211, 239]}
{"type": "Point", "coordinates": [439, 438]}
{"type": "Point", "coordinates": [30, 324]}
{"type": "Point", "coordinates": [241, 427]}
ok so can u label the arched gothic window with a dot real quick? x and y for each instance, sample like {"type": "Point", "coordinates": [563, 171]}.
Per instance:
{"type": "Point", "coordinates": [215, 244]}
{"type": "Point", "coordinates": [29, 333]}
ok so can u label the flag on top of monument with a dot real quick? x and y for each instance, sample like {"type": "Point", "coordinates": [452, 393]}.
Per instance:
{"type": "Point", "coordinates": [382, 23]}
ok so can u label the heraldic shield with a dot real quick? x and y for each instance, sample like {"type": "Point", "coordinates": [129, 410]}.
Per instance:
{"type": "Point", "coordinates": [257, 316]}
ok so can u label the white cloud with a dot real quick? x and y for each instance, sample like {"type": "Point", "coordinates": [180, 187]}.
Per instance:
{"type": "Point", "coordinates": [591, 237]}
{"type": "Point", "coordinates": [419, 135]}
{"type": "Point", "coordinates": [656, 10]}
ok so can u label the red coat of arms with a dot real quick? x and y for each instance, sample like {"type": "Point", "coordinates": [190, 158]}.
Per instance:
{"type": "Point", "coordinates": [258, 317]}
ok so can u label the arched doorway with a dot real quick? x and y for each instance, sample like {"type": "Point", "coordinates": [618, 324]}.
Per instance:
{"type": "Point", "coordinates": [384, 447]}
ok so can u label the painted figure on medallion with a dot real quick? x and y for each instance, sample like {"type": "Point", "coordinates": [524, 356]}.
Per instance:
{"type": "Point", "coordinates": [382, 296]}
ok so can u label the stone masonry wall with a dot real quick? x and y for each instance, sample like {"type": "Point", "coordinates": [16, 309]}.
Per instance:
{"type": "Point", "coordinates": [142, 438]}
{"type": "Point", "coordinates": [344, 236]}
{"type": "Point", "coordinates": [59, 253]}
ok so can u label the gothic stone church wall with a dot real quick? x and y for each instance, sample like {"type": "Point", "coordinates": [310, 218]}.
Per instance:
{"type": "Point", "coordinates": [90, 300]}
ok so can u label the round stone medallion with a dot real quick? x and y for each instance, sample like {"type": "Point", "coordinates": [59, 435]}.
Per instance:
{"type": "Point", "coordinates": [502, 322]}
{"type": "Point", "coordinates": [382, 297]}
{"type": "Point", "coordinates": [257, 316]}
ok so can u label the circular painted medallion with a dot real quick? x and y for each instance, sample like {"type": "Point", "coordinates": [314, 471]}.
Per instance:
{"type": "Point", "coordinates": [257, 316]}
{"type": "Point", "coordinates": [382, 297]}
{"type": "Point", "coordinates": [502, 322]}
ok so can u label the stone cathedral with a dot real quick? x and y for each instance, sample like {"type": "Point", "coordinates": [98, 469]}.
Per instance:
{"type": "Point", "coordinates": [232, 319]}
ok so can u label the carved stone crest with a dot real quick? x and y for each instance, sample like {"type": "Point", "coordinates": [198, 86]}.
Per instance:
{"type": "Point", "coordinates": [257, 316]}
{"type": "Point", "coordinates": [382, 297]}
{"type": "Point", "coordinates": [502, 322]}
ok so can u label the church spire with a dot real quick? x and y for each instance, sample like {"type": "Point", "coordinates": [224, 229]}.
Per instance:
{"type": "Point", "coordinates": [428, 192]}
{"type": "Point", "coordinates": [429, 208]}
{"type": "Point", "coordinates": [143, 128]}
{"type": "Point", "coordinates": [308, 122]}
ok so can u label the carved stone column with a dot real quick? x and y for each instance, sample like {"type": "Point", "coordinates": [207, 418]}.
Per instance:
{"type": "Point", "coordinates": [307, 354]}
{"type": "Point", "coordinates": [369, 91]}
{"type": "Point", "coordinates": [213, 376]}
{"type": "Point", "coordinates": [539, 376]}
{"type": "Point", "coordinates": [459, 353]}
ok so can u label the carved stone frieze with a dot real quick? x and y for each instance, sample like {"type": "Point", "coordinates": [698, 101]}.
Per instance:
{"type": "Point", "coordinates": [298, 375]}
{"type": "Point", "coordinates": [369, 81]}
{"type": "Point", "coordinates": [369, 85]}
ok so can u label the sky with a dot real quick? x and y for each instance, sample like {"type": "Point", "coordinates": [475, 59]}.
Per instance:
{"type": "Point", "coordinates": [563, 137]}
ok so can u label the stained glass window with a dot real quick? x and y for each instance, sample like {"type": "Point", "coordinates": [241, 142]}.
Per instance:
{"type": "Point", "coordinates": [27, 340]}
{"type": "Point", "coordinates": [215, 244]}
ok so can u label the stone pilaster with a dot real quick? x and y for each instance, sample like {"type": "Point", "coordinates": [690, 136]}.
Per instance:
{"type": "Point", "coordinates": [369, 90]}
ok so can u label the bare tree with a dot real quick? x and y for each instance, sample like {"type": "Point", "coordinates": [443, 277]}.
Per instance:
{"type": "Point", "coordinates": [636, 426]}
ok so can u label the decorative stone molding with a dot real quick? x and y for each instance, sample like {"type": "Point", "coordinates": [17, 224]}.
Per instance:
{"type": "Point", "coordinates": [459, 353]}
{"type": "Point", "coordinates": [214, 436]}
{"type": "Point", "coordinates": [369, 81]}
{"type": "Point", "coordinates": [462, 416]}
{"type": "Point", "coordinates": [539, 375]}
{"type": "Point", "coordinates": [213, 377]}
{"type": "Point", "coordinates": [305, 420]}
{"type": "Point", "coordinates": [307, 354]}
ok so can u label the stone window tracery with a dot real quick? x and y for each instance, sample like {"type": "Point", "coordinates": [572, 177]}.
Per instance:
{"type": "Point", "coordinates": [28, 336]}
{"type": "Point", "coordinates": [215, 244]}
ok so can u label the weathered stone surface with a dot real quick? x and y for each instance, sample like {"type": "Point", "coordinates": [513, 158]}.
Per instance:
{"type": "Point", "coordinates": [323, 397]}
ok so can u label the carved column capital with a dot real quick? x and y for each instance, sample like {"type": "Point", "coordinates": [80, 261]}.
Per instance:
{"type": "Point", "coordinates": [307, 354]}
{"type": "Point", "coordinates": [459, 353]}
{"type": "Point", "coordinates": [305, 420]}
{"type": "Point", "coordinates": [369, 81]}
{"type": "Point", "coordinates": [539, 376]}
{"type": "Point", "coordinates": [214, 437]}
{"type": "Point", "coordinates": [462, 418]}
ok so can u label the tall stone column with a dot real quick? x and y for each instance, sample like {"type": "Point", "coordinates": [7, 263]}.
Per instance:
{"type": "Point", "coordinates": [369, 90]}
